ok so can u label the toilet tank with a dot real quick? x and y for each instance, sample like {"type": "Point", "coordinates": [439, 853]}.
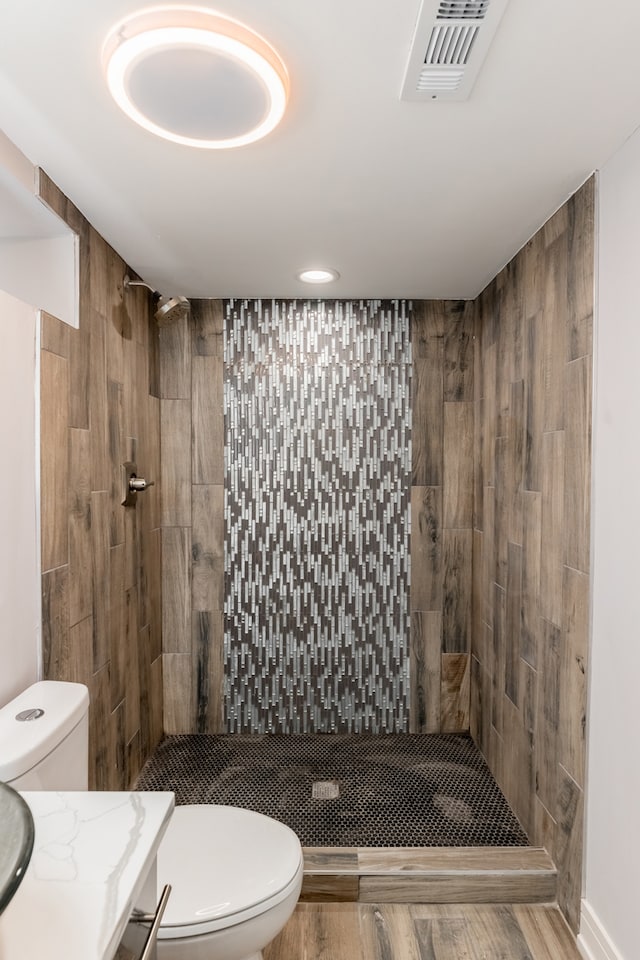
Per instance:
{"type": "Point", "coordinates": [44, 737]}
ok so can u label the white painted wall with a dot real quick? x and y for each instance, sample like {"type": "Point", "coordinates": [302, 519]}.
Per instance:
{"type": "Point", "coordinates": [609, 927]}
{"type": "Point", "coordinates": [39, 253]}
{"type": "Point", "coordinates": [42, 271]}
{"type": "Point", "coordinates": [19, 541]}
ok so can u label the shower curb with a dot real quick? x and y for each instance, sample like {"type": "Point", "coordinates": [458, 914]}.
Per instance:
{"type": "Point", "coordinates": [429, 875]}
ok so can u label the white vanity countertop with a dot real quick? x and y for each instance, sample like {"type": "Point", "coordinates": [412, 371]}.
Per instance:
{"type": "Point", "coordinates": [91, 854]}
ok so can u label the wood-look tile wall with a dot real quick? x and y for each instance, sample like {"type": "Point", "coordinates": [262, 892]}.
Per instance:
{"type": "Point", "coordinates": [192, 423]}
{"type": "Point", "coordinates": [441, 514]}
{"type": "Point", "coordinates": [531, 532]}
{"type": "Point", "coordinates": [101, 563]}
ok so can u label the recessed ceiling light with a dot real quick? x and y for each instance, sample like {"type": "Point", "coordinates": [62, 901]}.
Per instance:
{"type": "Point", "coordinates": [195, 77]}
{"type": "Point", "coordinates": [318, 275]}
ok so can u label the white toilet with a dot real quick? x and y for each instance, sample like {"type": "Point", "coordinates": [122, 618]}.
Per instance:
{"type": "Point", "coordinates": [235, 874]}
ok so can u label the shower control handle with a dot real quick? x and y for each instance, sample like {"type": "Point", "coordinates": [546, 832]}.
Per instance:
{"type": "Point", "coordinates": [132, 484]}
{"type": "Point", "coordinates": [137, 484]}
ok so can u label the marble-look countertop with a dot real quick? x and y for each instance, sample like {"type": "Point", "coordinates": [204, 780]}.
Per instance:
{"type": "Point", "coordinates": [91, 855]}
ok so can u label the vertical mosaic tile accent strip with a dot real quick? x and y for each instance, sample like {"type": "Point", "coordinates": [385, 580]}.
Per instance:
{"type": "Point", "coordinates": [317, 479]}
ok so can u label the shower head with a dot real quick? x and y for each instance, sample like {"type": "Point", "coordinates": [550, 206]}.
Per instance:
{"type": "Point", "coordinates": [172, 308]}
{"type": "Point", "coordinates": [168, 309]}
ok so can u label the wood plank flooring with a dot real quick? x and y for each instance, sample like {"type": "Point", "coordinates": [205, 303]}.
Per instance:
{"type": "Point", "coordinates": [367, 931]}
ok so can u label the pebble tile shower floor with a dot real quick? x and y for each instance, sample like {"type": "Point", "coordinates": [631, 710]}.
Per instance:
{"type": "Point", "coordinates": [396, 790]}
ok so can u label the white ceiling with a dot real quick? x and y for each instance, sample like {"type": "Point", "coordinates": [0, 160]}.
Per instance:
{"type": "Point", "coordinates": [404, 199]}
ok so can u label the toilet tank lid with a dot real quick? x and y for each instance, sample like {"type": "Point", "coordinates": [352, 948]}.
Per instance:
{"type": "Point", "coordinates": [23, 744]}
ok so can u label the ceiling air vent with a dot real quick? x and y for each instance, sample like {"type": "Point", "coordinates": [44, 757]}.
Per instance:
{"type": "Point", "coordinates": [451, 41]}
{"type": "Point", "coordinates": [462, 9]}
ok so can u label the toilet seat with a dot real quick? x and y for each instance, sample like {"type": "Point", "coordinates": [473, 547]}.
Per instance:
{"type": "Point", "coordinates": [225, 865]}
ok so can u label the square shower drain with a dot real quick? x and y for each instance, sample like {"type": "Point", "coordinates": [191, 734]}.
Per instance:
{"type": "Point", "coordinates": [325, 790]}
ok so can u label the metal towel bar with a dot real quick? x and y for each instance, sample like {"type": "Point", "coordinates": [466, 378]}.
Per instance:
{"type": "Point", "coordinates": [154, 919]}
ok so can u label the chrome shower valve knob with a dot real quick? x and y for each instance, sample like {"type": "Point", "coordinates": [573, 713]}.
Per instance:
{"type": "Point", "coordinates": [132, 484]}
{"type": "Point", "coordinates": [138, 484]}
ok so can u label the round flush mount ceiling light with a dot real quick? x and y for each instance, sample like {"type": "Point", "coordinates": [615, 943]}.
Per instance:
{"type": "Point", "coordinates": [318, 275]}
{"type": "Point", "coordinates": [196, 77]}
